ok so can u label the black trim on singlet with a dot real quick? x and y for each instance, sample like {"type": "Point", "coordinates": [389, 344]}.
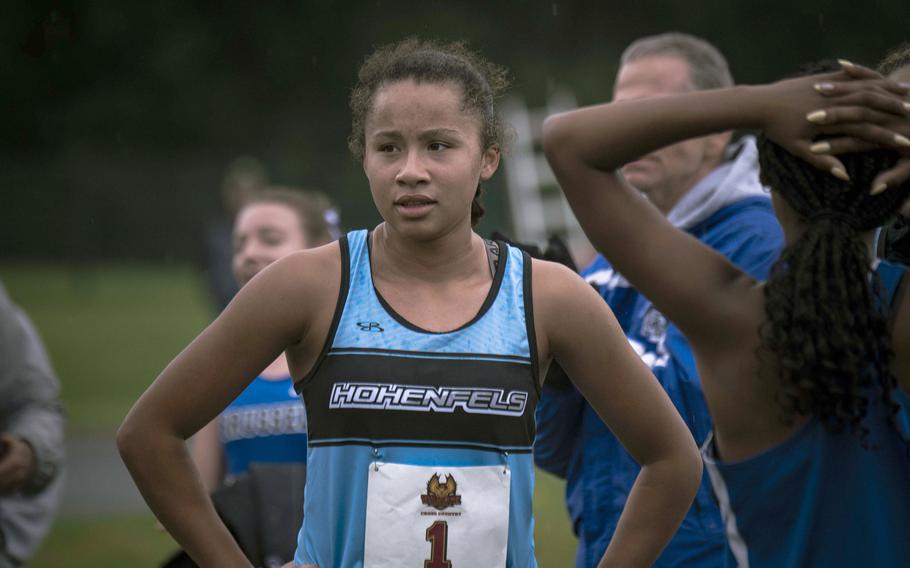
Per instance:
{"type": "Point", "coordinates": [488, 301]}
{"type": "Point", "coordinates": [411, 444]}
{"type": "Point", "coordinates": [426, 354]}
{"type": "Point", "coordinates": [529, 319]}
{"type": "Point", "coordinates": [336, 317]}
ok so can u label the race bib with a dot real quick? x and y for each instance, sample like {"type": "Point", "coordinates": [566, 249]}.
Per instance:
{"type": "Point", "coordinates": [437, 517]}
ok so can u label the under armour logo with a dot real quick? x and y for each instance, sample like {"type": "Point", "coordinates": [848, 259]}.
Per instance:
{"type": "Point", "coordinates": [369, 326]}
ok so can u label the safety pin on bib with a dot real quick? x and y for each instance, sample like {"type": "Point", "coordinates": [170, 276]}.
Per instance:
{"type": "Point", "coordinates": [376, 456]}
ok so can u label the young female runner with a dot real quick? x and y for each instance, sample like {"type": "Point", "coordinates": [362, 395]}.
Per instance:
{"type": "Point", "coordinates": [418, 349]}
{"type": "Point", "coordinates": [808, 460]}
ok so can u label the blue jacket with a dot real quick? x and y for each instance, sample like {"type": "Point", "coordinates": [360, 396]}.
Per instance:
{"type": "Point", "coordinates": [572, 442]}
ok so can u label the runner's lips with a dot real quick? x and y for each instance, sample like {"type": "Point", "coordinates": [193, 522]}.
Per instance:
{"type": "Point", "coordinates": [414, 200]}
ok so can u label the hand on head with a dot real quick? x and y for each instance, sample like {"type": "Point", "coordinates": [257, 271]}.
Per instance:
{"type": "Point", "coordinates": [855, 109]}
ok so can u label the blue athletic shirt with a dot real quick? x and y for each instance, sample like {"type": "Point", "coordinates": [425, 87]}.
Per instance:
{"type": "Point", "coordinates": [820, 499]}
{"type": "Point", "coordinates": [266, 423]}
{"type": "Point", "coordinates": [386, 395]}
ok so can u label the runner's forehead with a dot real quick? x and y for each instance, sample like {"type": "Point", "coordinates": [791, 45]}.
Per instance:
{"type": "Point", "coordinates": [412, 107]}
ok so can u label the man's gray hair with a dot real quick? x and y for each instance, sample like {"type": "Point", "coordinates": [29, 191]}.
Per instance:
{"type": "Point", "coordinates": [707, 66]}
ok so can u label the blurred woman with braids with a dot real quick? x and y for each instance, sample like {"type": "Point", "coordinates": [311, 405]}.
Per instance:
{"type": "Point", "coordinates": [807, 374]}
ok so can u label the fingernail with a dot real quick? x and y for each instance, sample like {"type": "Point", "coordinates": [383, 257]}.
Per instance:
{"type": "Point", "coordinates": [906, 105]}
{"type": "Point", "coordinates": [817, 116]}
{"type": "Point", "coordinates": [902, 140]}
{"type": "Point", "coordinates": [839, 173]}
{"type": "Point", "coordinates": [845, 63]}
{"type": "Point", "coordinates": [879, 188]}
{"type": "Point", "coordinates": [903, 84]}
{"type": "Point", "coordinates": [820, 148]}
{"type": "Point", "coordinates": [824, 87]}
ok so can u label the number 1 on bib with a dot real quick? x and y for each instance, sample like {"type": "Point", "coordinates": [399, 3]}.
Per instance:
{"type": "Point", "coordinates": [437, 536]}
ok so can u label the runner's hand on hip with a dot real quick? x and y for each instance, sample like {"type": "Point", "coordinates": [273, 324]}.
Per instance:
{"type": "Point", "coordinates": [17, 462]}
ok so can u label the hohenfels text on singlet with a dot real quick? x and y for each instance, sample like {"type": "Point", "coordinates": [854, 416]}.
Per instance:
{"type": "Point", "coordinates": [385, 396]}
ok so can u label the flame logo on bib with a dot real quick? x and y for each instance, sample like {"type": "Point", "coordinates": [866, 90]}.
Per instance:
{"type": "Point", "coordinates": [441, 495]}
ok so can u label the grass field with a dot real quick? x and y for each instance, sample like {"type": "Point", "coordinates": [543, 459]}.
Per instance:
{"type": "Point", "coordinates": [110, 330]}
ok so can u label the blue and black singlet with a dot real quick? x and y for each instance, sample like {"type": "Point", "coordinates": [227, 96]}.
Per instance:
{"type": "Point", "coordinates": [419, 441]}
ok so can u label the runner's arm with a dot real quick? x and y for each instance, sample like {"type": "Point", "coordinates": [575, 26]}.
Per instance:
{"type": "Point", "coordinates": [208, 455]}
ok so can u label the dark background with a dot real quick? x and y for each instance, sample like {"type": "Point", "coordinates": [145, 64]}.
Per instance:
{"type": "Point", "coordinates": [117, 118]}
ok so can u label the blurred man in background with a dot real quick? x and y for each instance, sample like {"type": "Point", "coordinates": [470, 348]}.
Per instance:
{"type": "Point", "coordinates": [31, 437]}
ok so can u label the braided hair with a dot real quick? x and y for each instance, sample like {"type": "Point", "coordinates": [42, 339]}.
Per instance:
{"type": "Point", "coordinates": [823, 321]}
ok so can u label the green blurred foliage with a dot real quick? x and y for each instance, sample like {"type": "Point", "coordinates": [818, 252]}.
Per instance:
{"type": "Point", "coordinates": [118, 118]}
